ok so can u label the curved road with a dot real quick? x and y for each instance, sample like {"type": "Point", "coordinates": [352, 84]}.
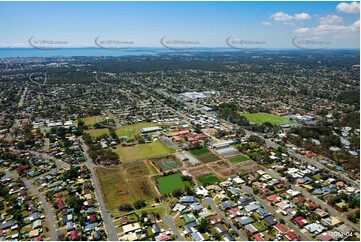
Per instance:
{"type": "Point", "coordinates": [50, 215]}
{"type": "Point", "coordinates": [170, 222]}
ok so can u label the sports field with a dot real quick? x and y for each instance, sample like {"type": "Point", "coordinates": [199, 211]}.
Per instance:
{"type": "Point", "coordinates": [208, 179]}
{"type": "Point", "coordinates": [143, 151]}
{"type": "Point", "coordinates": [259, 118]}
{"type": "Point", "coordinates": [167, 184]}
{"type": "Point", "coordinates": [238, 158]}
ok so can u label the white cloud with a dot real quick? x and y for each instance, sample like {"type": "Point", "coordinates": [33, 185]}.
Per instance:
{"type": "Point", "coordinates": [353, 7]}
{"type": "Point", "coordinates": [284, 17]}
{"type": "Point", "coordinates": [267, 23]}
{"type": "Point", "coordinates": [335, 30]}
{"type": "Point", "coordinates": [302, 16]}
{"type": "Point", "coordinates": [330, 19]}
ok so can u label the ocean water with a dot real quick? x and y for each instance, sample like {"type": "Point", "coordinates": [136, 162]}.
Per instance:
{"type": "Point", "coordinates": [32, 52]}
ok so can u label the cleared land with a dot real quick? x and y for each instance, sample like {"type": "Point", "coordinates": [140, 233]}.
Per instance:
{"type": "Point", "coordinates": [259, 118]}
{"type": "Point", "coordinates": [208, 158]}
{"type": "Point", "coordinates": [208, 179]}
{"type": "Point", "coordinates": [127, 184]}
{"type": "Point", "coordinates": [167, 184]}
{"type": "Point", "coordinates": [238, 158]}
{"type": "Point", "coordinates": [143, 151]}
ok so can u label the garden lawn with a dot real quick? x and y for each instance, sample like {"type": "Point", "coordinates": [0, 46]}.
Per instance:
{"type": "Point", "coordinates": [167, 184]}
{"type": "Point", "coordinates": [143, 151]}
{"type": "Point", "coordinates": [260, 118]}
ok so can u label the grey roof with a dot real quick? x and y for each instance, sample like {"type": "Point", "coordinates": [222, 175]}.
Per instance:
{"type": "Point", "coordinates": [196, 237]}
{"type": "Point", "coordinates": [187, 199]}
{"type": "Point", "coordinates": [7, 224]}
{"type": "Point", "coordinates": [251, 207]}
{"type": "Point", "coordinates": [270, 220]}
{"type": "Point", "coordinates": [244, 220]}
{"type": "Point", "coordinates": [188, 227]}
{"type": "Point", "coordinates": [156, 228]}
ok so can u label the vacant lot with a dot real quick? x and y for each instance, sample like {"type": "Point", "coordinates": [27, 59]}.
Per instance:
{"type": "Point", "coordinates": [125, 184]}
{"type": "Point", "coordinates": [247, 167]}
{"type": "Point", "coordinates": [167, 184]}
{"type": "Point", "coordinates": [167, 163]}
{"type": "Point", "coordinates": [208, 179]}
{"type": "Point", "coordinates": [199, 171]}
{"type": "Point", "coordinates": [208, 158]}
{"type": "Point", "coordinates": [133, 129]}
{"type": "Point", "coordinates": [223, 168]}
{"type": "Point", "coordinates": [238, 158]}
{"type": "Point", "coordinates": [198, 152]}
{"type": "Point", "coordinates": [143, 151]}
{"type": "Point", "coordinates": [97, 132]}
{"type": "Point", "coordinates": [259, 118]}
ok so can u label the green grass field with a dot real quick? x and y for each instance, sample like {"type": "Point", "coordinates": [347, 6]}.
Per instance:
{"type": "Point", "coordinates": [143, 151]}
{"type": "Point", "coordinates": [167, 184]}
{"type": "Point", "coordinates": [208, 179]}
{"type": "Point", "coordinates": [238, 158]}
{"type": "Point", "coordinates": [91, 120]}
{"type": "Point", "coordinates": [133, 129]}
{"type": "Point", "coordinates": [259, 118]}
{"type": "Point", "coordinates": [198, 152]}
{"type": "Point", "coordinates": [97, 132]}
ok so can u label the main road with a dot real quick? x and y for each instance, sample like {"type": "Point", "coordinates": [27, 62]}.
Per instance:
{"type": "Point", "coordinates": [107, 218]}
{"type": "Point", "coordinates": [210, 202]}
{"type": "Point", "coordinates": [50, 215]}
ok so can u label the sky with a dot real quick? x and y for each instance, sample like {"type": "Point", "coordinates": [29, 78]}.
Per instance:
{"type": "Point", "coordinates": [199, 24]}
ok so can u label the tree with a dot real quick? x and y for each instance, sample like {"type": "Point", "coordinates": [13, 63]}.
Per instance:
{"type": "Point", "coordinates": [177, 192]}
{"type": "Point", "coordinates": [125, 207]}
{"type": "Point", "coordinates": [140, 204]}
{"type": "Point", "coordinates": [203, 226]}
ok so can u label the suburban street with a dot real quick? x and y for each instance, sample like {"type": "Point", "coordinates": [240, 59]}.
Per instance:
{"type": "Point", "coordinates": [278, 215]}
{"type": "Point", "coordinates": [47, 208]}
{"type": "Point", "coordinates": [318, 202]}
{"type": "Point", "coordinates": [107, 218]}
{"type": "Point", "coordinates": [210, 202]}
{"type": "Point", "coordinates": [170, 222]}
